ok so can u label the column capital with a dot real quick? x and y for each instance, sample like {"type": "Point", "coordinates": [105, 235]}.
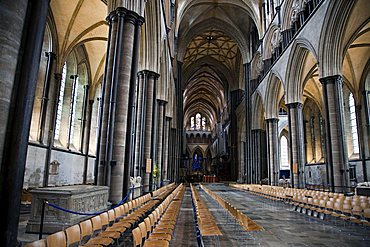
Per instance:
{"type": "Point", "coordinates": [295, 105]}
{"type": "Point", "coordinates": [258, 130]}
{"type": "Point", "coordinates": [331, 79]}
{"type": "Point", "coordinates": [162, 102]}
{"type": "Point", "coordinates": [148, 73]}
{"type": "Point", "coordinates": [73, 77]}
{"type": "Point", "coordinates": [50, 54]}
{"type": "Point", "coordinates": [272, 120]}
{"type": "Point", "coordinates": [112, 17]}
{"type": "Point", "coordinates": [131, 17]}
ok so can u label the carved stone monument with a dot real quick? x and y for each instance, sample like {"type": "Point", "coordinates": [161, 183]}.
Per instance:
{"type": "Point", "coordinates": [79, 198]}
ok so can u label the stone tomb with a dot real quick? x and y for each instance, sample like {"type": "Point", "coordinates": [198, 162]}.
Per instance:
{"type": "Point", "coordinates": [79, 198]}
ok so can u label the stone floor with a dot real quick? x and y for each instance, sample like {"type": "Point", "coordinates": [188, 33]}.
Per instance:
{"type": "Point", "coordinates": [283, 226]}
{"type": "Point", "coordinates": [184, 234]}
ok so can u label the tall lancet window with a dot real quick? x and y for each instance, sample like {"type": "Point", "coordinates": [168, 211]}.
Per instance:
{"type": "Point", "coordinates": [198, 119]}
{"type": "Point", "coordinates": [192, 123]}
{"type": "Point", "coordinates": [284, 158]}
{"type": "Point", "coordinates": [60, 102]}
{"type": "Point", "coordinates": [352, 111]}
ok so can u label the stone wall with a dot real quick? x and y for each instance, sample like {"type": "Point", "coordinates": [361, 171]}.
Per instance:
{"type": "Point", "coordinates": [69, 171]}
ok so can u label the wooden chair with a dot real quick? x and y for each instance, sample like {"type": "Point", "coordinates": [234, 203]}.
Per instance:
{"type": "Point", "coordinates": [57, 239]}
{"type": "Point", "coordinates": [86, 230]}
{"type": "Point", "coordinates": [73, 236]}
{"type": "Point", "coordinates": [137, 238]}
{"type": "Point", "coordinates": [38, 243]}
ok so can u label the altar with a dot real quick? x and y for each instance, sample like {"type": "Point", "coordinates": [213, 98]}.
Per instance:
{"type": "Point", "coordinates": [78, 198]}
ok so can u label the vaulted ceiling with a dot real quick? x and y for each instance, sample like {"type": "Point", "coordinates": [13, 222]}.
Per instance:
{"type": "Point", "coordinates": [213, 43]}
{"type": "Point", "coordinates": [81, 23]}
{"type": "Point", "coordinates": [212, 34]}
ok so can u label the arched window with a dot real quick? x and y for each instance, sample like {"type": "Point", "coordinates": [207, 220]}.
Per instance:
{"type": "Point", "coordinates": [192, 123]}
{"type": "Point", "coordinates": [198, 120]}
{"type": "Point", "coordinates": [352, 112]}
{"type": "Point", "coordinates": [284, 158]}
{"type": "Point", "coordinates": [203, 123]}
{"type": "Point", "coordinates": [60, 102]}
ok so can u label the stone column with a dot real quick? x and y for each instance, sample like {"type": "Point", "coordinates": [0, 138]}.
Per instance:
{"type": "Point", "coordinates": [122, 74]}
{"type": "Point", "coordinates": [248, 125]}
{"type": "Point", "coordinates": [273, 159]}
{"type": "Point", "coordinates": [259, 154]}
{"type": "Point", "coordinates": [150, 97]}
{"type": "Point", "coordinates": [87, 139]}
{"type": "Point", "coordinates": [131, 118]}
{"type": "Point", "coordinates": [21, 45]}
{"type": "Point", "coordinates": [118, 98]}
{"type": "Point", "coordinates": [336, 146]}
{"type": "Point", "coordinates": [102, 162]}
{"type": "Point", "coordinates": [297, 152]}
{"type": "Point", "coordinates": [139, 162]}
{"type": "Point", "coordinates": [160, 137]}
{"type": "Point", "coordinates": [45, 96]}
{"type": "Point", "coordinates": [166, 147]}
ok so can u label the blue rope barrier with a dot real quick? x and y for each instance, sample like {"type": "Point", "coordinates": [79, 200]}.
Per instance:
{"type": "Point", "coordinates": [89, 214]}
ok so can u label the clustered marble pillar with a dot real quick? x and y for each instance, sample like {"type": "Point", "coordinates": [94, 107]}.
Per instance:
{"type": "Point", "coordinates": [296, 132]}
{"type": "Point", "coordinates": [166, 147]}
{"type": "Point", "coordinates": [336, 147]}
{"type": "Point", "coordinates": [117, 114]}
{"type": "Point", "coordinates": [160, 137]}
{"type": "Point", "coordinates": [146, 121]}
{"type": "Point", "coordinates": [273, 152]}
{"type": "Point", "coordinates": [259, 155]}
{"type": "Point", "coordinates": [21, 45]}
{"type": "Point", "coordinates": [248, 165]}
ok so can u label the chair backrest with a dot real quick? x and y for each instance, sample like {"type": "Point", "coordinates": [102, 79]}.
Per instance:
{"type": "Point", "coordinates": [152, 220]}
{"type": "Point", "coordinates": [73, 235]}
{"type": "Point", "coordinates": [143, 230]}
{"type": "Point", "coordinates": [136, 234]}
{"type": "Point", "coordinates": [104, 219]}
{"type": "Point", "coordinates": [38, 243]}
{"type": "Point", "coordinates": [57, 239]}
{"type": "Point", "coordinates": [96, 223]}
{"type": "Point", "coordinates": [117, 212]}
{"type": "Point", "coordinates": [86, 228]}
{"type": "Point", "coordinates": [111, 216]}
{"type": "Point", "coordinates": [148, 226]}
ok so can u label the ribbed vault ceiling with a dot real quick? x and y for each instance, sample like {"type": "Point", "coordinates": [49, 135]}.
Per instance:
{"type": "Point", "coordinates": [213, 43]}
{"type": "Point", "coordinates": [78, 23]}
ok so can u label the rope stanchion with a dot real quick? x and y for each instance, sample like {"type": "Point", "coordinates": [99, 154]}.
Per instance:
{"type": "Point", "coordinates": [88, 214]}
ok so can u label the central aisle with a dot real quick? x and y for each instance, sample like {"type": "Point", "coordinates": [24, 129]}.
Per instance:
{"type": "Point", "coordinates": [184, 234]}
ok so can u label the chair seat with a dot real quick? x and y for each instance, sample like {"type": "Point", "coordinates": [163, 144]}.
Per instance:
{"type": "Point", "coordinates": [156, 243]}
{"type": "Point", "coordinates": [110, 234]}
{"type": "Point", "coordinates": [160, 236]}
{"type": "Point", "coordinates": [100, 241]}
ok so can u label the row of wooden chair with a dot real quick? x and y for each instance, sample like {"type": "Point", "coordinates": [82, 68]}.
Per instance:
{"type": "Point", "coordinates": [157, 229]}
{"type": "Point", "coordinates": [206, 222]}
{"type": "Point", "coordinates": [247, 223]}
{"type": "Point", "coordinates": [106, 228]}
{"type": "Point", "coordinates": [354, 208]}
